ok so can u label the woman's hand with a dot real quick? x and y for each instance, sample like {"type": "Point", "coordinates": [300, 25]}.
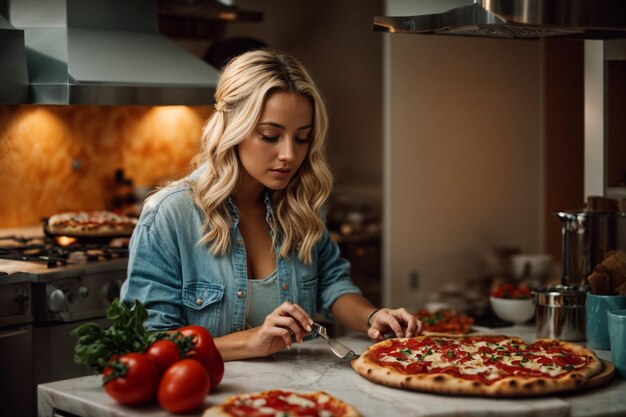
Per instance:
{"type": "Point", "coordinates": [286, 321]}
{"type": "Point", "coordinates": [398, 321]}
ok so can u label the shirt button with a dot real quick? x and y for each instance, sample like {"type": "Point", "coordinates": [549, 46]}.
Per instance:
{"type": "Point", "coordinates": [240, 294]}
{"type": "Point", "coordinates": [199, 301]}
{"type": "Point", "coordinates": [240, 242]}
{"type": "Point", "coordinates": [285, 286]}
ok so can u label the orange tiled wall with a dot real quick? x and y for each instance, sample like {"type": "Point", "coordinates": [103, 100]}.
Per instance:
{"type": "Point", "coordinates": [62, 158]}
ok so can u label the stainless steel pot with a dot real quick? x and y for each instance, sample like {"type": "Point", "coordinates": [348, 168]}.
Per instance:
{"type": "Point", "coordinates": [560, 313]}
{"type": "Point", "coordinates": [586, 237]}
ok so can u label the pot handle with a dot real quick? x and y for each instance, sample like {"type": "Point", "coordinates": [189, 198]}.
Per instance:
{"type": "Point", "coordinates": [568, 224]}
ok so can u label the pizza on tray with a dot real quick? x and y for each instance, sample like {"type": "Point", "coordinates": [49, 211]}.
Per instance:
{"type": "Point", "coordinates": [282, 403]}
{"type": "Point", "coordinates": [444, 321]}
{"type": "Point", "coordinates": [478, 365]}
{"type": "Point", "coordinates": [91, 223]}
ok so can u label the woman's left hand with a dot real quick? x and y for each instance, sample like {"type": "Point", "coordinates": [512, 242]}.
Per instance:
{"type": "Point", "coordinates": [398, 321]}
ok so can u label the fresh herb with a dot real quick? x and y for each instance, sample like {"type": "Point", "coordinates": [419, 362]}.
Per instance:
{"type": "Point", "coordinates": [568, 367]}
{"type": "Point", "coordinates": [405, 351]}
{"type": "Point", "coordinates": [450, 354]}
{"type": "Point", "coordinates": [95, 345]}
{"type": "Point", "coordinates": [429, 352]}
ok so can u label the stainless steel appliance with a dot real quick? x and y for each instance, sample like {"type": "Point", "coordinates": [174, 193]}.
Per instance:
{"type": "Point", "coordinates": [560, 313]}
{"type": "Point", "coordinates": [106, 52]}
{"type": "Point", "coordinates": [47, 290]}
{"type": "Point", "coordinates": [586, 238]}
{"type": "Point", "coordinates": [518, 19]}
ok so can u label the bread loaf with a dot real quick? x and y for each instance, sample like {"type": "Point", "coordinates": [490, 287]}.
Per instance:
{"type": "Point", "coordinates": [598, 204]}
{"type": "Point", "coordinates": [600, 283]}
{"type": "Point", "coordinates": [609, 277]}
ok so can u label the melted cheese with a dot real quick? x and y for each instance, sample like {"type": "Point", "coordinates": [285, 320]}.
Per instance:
{"type": "Point", "coordinates": [475, 364]}
{"type": "Point", "coordinates": [258, 403]}
{"type": "Point", "coordinates": [299, 401]}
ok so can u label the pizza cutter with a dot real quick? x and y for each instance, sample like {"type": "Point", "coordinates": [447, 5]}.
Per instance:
{"type": "Point", "coordinates": [338, 349]}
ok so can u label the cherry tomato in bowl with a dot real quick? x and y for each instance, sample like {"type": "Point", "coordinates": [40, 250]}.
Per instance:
{"type": "Point", "coordinates": [512, 291]}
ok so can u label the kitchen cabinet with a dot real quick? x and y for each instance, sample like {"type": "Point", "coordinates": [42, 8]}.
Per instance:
{"type": "Point", "coordinates": [616, 123]}
{"type": "Point", "coordinates": [311, 366]}
{"type": "Point", "coordinates": [605, 126]}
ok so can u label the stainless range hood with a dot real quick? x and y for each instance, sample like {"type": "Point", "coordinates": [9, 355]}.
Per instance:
{"type": "Point", "coordinates": [106, 52]}
{"type": "Point", "coordinates": [13, 71]}
{"type": "Point", "coordinates": [525, 19]}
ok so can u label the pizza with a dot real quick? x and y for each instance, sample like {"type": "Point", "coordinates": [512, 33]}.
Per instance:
{"type": "Point", "coordinates": [444, 321]}
{"type": "Point", "coordinates": [91, 223]}
{"type": "Point", "coordinates": [478, 365]}
{"type": "Point", "coordinates": [282, 403]}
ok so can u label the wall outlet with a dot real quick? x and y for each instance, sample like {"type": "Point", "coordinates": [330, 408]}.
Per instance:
{"type": "Point", "coordinates": [414, 280]}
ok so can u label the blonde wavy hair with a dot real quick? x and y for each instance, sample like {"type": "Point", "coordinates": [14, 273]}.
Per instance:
{"type": "Point", "coordinates": [244, 85]}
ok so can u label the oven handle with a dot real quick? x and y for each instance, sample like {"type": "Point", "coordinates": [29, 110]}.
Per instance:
{"type": "Point", "coordinates": [11, 333]}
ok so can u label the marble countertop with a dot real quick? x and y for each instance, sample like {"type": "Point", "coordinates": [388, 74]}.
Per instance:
{"type": "Point", "coordinates": [311, 366]}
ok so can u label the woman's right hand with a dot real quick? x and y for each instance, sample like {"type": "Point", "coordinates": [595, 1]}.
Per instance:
{"type": "Point", "coordinates": [286, 321]}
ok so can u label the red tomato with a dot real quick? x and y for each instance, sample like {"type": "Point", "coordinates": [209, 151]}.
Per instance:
{"type": "Point", "coordinates": [511, 291]}
{"type": "Point", "coordinates": [163, 353]}
{"type": "Point", "coordinates": [131, 379]}
{"type": "Point", "coordinates": [205, 352]}
{"type": "Point", "coordinates": [184, 386]}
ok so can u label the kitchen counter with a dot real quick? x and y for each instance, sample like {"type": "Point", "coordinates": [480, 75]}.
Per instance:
{"type": "Point", "coordinates": [311, 366]}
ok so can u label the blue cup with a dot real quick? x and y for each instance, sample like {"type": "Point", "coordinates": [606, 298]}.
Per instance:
{"type": "Point", "coordinates": [617, 334]}
{"type": "Point", "coordinates": [596, 307]}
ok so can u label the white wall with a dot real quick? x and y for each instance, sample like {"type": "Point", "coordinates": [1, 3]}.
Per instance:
{"type": "Point", "coordinates": [463, 156]}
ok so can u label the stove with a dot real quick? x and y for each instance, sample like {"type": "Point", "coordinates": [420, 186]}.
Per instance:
{"type": "Point", "coordinates": [48, 287]}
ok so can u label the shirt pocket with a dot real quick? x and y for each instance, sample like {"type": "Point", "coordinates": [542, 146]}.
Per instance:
{"type": "Point", "coordinates": [308, 296]}
{"type": "Point", "coordinates": [203, 304]}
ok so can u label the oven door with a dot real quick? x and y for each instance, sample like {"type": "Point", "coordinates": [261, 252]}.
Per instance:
{"type": "Point", "coordinates": [17, 394]}
{"type": "Point", "coordinates": [54, 351]}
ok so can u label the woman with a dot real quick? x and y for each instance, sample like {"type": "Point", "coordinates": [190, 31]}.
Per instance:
{"type": "Point", "coordinates": [240, 246]}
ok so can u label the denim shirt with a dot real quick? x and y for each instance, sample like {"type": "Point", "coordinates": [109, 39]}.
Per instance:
{"type": "Point", "coordinates": [180, 282]}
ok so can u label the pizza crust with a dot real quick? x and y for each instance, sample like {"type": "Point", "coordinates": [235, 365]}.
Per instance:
{"type": "Point", "coordinates": [442, 383]}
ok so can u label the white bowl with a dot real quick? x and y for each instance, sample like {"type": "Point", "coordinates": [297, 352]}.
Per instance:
{"type": "Point", "coordinates": [515, 311]}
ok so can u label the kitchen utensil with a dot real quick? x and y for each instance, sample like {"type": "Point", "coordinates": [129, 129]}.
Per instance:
{"type": "Point", "coordinates": [338, 349]}
{"type": "Point", "coordinates": [617, 334]}
{"type": "Point", "coordinates": [533, 268]}
{"type": "Point", "coordinates": [515, 311]}
{"type": "Point", "coordinates": [560, 312]}
{"type": "Point", "coordinates": [596, 308]}
{"type": "Point", "coordinates": [586, 237]}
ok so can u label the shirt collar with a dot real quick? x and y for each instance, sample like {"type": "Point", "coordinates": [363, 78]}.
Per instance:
{"type": "Point", "coordinates": [267, 200]}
